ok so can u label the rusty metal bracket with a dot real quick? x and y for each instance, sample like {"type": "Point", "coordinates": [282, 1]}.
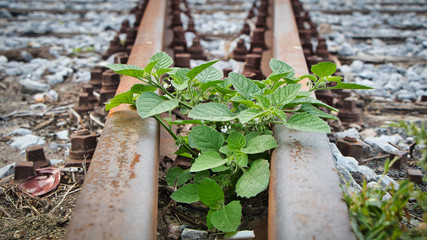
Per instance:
{"type": "Point", "coordinates": [119, 195]}
{"type": "Point", "coordinates": [305, 201]}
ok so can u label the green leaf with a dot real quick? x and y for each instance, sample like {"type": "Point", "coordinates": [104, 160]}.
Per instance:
{"type": "Point", "coordinates": [149, 104]}
{"type": "Point", "coordinates": [221, 168]}
{"type": "Point", "coordinates": [280, 114]}
{"type": "Point", "coordinates": [274, 77]}
{"type": "Point", "coordinates": [307, 122]}
{"type": "Point", "coordinates": [341, 85]}
{"type": "Point", "coordinates": [265, 102]}
{"type": "Point", "coordinates": [228, 218]}
{"type": "Point", "coordinates": [260, 144]}
{"type": "Point", "coordinates": [313, 110]}
{"type": "Point", "coordinates": [278, 66]}
{"type": "Point", "coordinates": [127, 70]}
{"type": "Point", "coordinates": [309, 76]}
{"type": "Point", "coordinates": [139, 88]}
{"type": "Point", "coordinates": [236, 141]}
{"type": "Point", "coordinates": [285, 94]}
{"type": "Point", "coordinates": [205, 138]}
{"type": "Point", "coordinates": [244, 86]}
{"type": "Point", "coordinates": [210, 84]}
{"type": "Point", "coordinates": [324, 69]}
{"type": "Point", "coordinates": [254, 180]}
{"type": "Point", "coordinates": [195, 71]}
{"type": "Point", "coordinates": [200, 176]}
{"type": "Point", "coordinates": [180, 80]}
{"type": "Point", "coordinates": [149, 68]}
{"type": "Point", "coordinates": [211, 112]}
{"type": "Point", "coordinates": [163, 60]}
{"type": "Point", "coordinates": [225, 150]}
{"type": "Point", "coordinates": [247, 115]}
{"type": "Point", "coordinates": [300, 101]}
{"type": "Point", "coordinates": [210, 193]}
{"type": "Point", "coordinates": [162, 71]}
{"type": "Point", "coordinates": [187, 194]}
{"type": "Point", "coordinates": [210, 74]}
{"type": "Point", "coordinates": [207, 161]}
{"type": "Point", "coordinates": [178, 175]}
{"type": "Point", "coordinates": [241, 159]}
{"type": "Point", "coordinates": [126, 97]}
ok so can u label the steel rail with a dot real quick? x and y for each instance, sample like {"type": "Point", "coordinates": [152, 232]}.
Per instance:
{"type": "Point", "coordinates": [119, 195]}
{"type": "Point", "coordinates": [305, 200]}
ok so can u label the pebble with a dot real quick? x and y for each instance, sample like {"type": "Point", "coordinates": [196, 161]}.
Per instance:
{"type": "Point", "coordinates": [352, 132]}
{"type": "Point", "coordinates": [191, 234]}
{"type": "Point", "coordinates": [367, 172]}
{"type": "Point", "coordinates": [7, 170]}
{"type": "Point", "coordinates": [33, 86]}
{"type": "Point", "coordinates": [383, 142]}
{"type": "Point", "coordinates": [25, 141]}
{"type": "Point", "coordinates": [62, 135]}
{"type": "Point", "coordinates": [19, 132]}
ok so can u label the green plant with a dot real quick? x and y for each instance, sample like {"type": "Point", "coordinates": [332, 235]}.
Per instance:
{"type": "Point", "coordinates": [230, 144]}
{"type": "Point", "coordinates": [374, 217]}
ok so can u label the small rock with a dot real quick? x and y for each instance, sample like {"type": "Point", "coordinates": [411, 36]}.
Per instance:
{"type": "Point", "coordinates": [348, 184]}
{"type": "Point", "coordinates": [28, 140]}
{"type": "Point", "coordinates": [368, 133]}
{"type": "Point", "coordinates": [383, 142]}
{"type": "Point", "coordinates": [352, 132]}
{"type": "Point", "coordinates": [19, 132]}
{"type": "Point", "coordinates": [387, 182]}
{"type": "Point", "coordinates": [53, 95]}
{"type": "Point", "coordinates": [62, 135]}
{"type": "Point", "coordinates": [367, 172]}
{"type": "Point", "coordinates": [348, 163]}
{"type": "Point", "coordinates": [191, 234]}
{"type": "Point", "coordinates": [56, 162]}
{"type": "Point", "coordinates": [356, 66]}
{"type": "Point", "coordinates": [7, 170]}
{"type": "Point", "coordinates": [26, 56]}
{"type": "Point", "coordinates": [81, 76]}
{"type": "Point", "coordinates": [33, 86]}
{"type": "Point", "coordinates": [13, 71]}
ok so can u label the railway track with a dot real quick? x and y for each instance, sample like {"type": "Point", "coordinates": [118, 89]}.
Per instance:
{"type": "Point", "coordinates": [119, 197]}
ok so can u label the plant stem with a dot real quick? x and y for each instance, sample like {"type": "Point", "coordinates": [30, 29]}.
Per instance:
{"type": "Point", "coordinates": [175, 137]}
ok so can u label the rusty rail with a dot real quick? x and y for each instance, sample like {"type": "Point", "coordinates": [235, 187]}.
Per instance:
{"type": "Point", "coordinates": [305, 201]}
{"type": "Point", "coordinates": [119, 196]}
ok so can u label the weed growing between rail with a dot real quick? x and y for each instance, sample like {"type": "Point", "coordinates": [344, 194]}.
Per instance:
{"type": "Point", "coordinates": [373, 216]}
{"type": "Point", "coordinates": [231, 141]}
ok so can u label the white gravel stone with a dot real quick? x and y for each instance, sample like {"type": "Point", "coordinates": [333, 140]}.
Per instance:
{"type": "Point", "coordinates": [19, 132]}
{"type": "Point", "coordinates": [33, 86]}
{"type": "Point", "coordinates": [28, 140]}
{"type": "Point", "coordinates": [382, 142]}
{"type": "Point", "coordinates": [367, 172]}
{"type": "Point", "coordinates": [62, 135]}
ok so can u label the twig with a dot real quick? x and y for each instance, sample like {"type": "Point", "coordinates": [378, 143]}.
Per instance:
{"type": "Point", "coordinates": [77, 190]}
{"type": "Point", "coordinates": [376, 158]}
{"type": "Point", "coordinates": [79, 118]}
{"type": "Point", "coordinates": [63, 198]}
{"type": "Point", "coordinates": [96, 120]}
{"type": "Point", "coordinates": [44, 124]}
{"type": "Point", "coordinates": [5, 212]}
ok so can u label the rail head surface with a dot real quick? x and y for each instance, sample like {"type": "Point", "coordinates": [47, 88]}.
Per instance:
{"type": "Point", "coordinates": [305, 200]}
{"type": "Point", "coordinates": [119, 195]}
